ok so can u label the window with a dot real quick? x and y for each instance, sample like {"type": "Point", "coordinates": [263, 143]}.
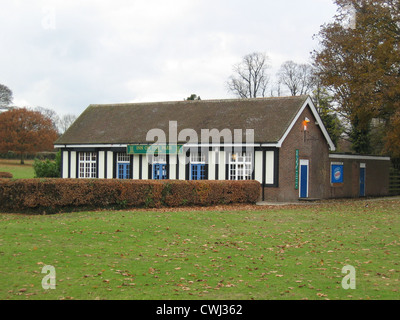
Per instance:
{"type": "Point", "coordinates": [197, 166]}
{"type": "Point", "coordinates": [87, 165]}
{"type": "Point", "coordinates": [159, 167]}
{"type": "Point", "coordinates": [240, 166]}
{"type": "Point", "coordinates": [159, 171]}
{"type": "Point", "coordinates": [124, 166]}
{"type": "Point", "coordinates": [197, 157]}
{"type": "Point", "coordinates": [159, 158]}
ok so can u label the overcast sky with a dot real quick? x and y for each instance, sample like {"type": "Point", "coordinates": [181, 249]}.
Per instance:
{"type": "Point", "coordinates": [65, 55]}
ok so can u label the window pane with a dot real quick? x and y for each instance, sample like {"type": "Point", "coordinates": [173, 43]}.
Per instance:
{"type": "Point", "coordinates": [241, 166]}
{"type": "Point", "coordinates": [87, 165]}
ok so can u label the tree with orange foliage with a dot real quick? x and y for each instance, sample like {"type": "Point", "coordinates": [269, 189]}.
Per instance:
{"type": "Point", "coordinates": [25, 131]}
{"type": "Point", "coordinates": [360, 63]}
{"type": "Point", "coordinates": [393, 137]}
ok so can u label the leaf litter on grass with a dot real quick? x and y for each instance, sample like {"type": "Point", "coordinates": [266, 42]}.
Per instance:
{"type": "Point", "coordinates": [281, 253]}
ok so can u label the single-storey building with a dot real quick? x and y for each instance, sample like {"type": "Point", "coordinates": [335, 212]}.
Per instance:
{"type": "Point", "coordinates": [280, 142]}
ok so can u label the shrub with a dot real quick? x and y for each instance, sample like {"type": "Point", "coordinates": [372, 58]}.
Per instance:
{"type": "Point", "coordinates": [6, 175]}
{"type": "Point", "coordinates": [55, 195]}
{"type": "Point", "coordinates": [47, 168]}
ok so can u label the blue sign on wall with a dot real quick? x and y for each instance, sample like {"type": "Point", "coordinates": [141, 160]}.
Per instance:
{"type": "Point", "coordinates": [337, 173]}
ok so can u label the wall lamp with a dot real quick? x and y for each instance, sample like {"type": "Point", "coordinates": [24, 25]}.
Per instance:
{"type": "Point", "coordinates": [305, 123]}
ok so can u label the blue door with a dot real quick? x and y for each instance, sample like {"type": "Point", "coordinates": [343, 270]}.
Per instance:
{"type": "Point", "coordinates": [159, 171]}
{"type": "Point", "coordinates": [362, 182]}
{"type": "Point", "coordinates": [304, 179]}
{"type": "Point", "coordinates": [124, 171]}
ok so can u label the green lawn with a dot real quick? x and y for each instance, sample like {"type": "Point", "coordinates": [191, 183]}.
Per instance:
{"type": "Point", "coordinates": [19, 171]}
{"type": "Point", "coordinates": [252, 253]}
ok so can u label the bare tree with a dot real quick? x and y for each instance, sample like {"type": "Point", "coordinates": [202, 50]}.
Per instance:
{"type": "Point", "coordinates": [6, 97]}
{"type": "Point", "coordinates": [298, 78]}
{"type": "Point", "coordinates": [51, 114]}
{"type": "Point", "coordinates": [65, 122]}
{"type": "Point", "coordinates": [250, 79]}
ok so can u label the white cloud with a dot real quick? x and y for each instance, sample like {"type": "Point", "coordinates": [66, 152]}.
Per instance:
{"type": "Point", "coordinates": [66, 55]}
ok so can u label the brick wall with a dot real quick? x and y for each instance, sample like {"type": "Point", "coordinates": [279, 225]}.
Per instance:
{"type": "Point", "coordinates": [376, 179]}
{"type": "Point", "coordinates": [312, 146]}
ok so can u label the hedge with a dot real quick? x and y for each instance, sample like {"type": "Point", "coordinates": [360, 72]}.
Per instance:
{"type": "Point", "coordinates": [62, 195]}
{"type": "Point", "coordinates": [6, 175]}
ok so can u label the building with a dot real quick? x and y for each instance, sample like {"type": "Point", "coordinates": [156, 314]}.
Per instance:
{"type": "Point", "coordinates": [280, 142]}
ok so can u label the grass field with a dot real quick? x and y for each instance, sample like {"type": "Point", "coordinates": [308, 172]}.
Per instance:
{"type": "Point", "coordinates": [227, 253]}
{"type": "Point", "coordinates": [19, 171]}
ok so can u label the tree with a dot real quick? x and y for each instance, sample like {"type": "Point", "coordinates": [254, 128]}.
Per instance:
{"type": "Point", "coordinates": [393, 137]}
{"type": "Point", "coordinates": [360, 64]}
{"type": "Point", "coordinates": [298, 78]}
{"type": "Point", "coordinates": [25, 131]}
{"type": "Point", "coordinates": [51, 114]}
{"type": "Point", "coordinates": [250, 79]}
{"type": "Point", "coordinates": [193, 97]}
{"type": "Point", "coordinates": [6, 96]}
{"type": "Point", "coordinates": [66, 121]}
{"type": "Point", "coordinates": [323, 102]}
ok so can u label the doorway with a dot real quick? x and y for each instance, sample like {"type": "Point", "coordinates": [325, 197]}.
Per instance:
{"type": "Point", "coordinates": [304, 178]}
{"type": "Point", "coordinates": [362, 179]}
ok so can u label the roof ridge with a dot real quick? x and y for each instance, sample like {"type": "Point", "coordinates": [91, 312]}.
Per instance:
{"type": "Point", "coordinates": [303, 97]}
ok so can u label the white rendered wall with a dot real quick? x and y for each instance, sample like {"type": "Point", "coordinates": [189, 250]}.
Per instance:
{"type": "Point", "coordinates": [258, 166]}
{"type": "Point", "coordinates": [269, 167]}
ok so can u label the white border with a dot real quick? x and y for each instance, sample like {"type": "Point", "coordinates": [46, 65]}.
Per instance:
{"type": "Point", "coordinates": [309, 103]}
{"type": "Point", "coordinates": [304, 162]}
{"type": "Point", "coordinates": [357, 157]}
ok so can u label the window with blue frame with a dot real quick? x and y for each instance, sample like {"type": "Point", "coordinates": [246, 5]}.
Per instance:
{"type": "Point", "coordinates": [160, 167]}
{"type": "Point", "coordinates": [123, 166]}
{"type": "Point", "coordinates": [198, 166]}
{"type": "Point", "coordinates": [159, 171]}
{"type": "Point", "coordinates": [198, 171]}
{"type": "Point", "coordinates": [337, 172]}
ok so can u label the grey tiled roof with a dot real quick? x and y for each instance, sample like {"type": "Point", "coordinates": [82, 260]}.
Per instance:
{"type": "Point", "coordinates": [129, 123]}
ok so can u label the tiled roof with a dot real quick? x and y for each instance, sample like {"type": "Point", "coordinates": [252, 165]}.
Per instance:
{"type": "Point", "coordinates": [129, 123]}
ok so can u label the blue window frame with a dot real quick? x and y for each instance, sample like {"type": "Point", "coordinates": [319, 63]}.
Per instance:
{"type": "Point", "coordinates": [198, 171]}
{"type": "Point", "coordinates": [123, 166]}
{"type": "Point", "coordinates": [198, 165]}
{"type": "Point", "coordinates": [159, 171]}
{"type": "Point", "coordinates": [124, 170]}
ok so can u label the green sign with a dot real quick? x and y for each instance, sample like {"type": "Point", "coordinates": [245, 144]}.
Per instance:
{"type": "Point", "coordinates": [296, 185]}
{"type": "Point", "coordinates": [154, 149]}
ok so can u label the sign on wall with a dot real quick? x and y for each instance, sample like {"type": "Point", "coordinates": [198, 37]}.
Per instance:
{"type": "Point", "coordinates": [297, 166]}
{"type": "Point", "coordinates": [154, 149]}
{"type": "Point", "coordinates": [337, 172]}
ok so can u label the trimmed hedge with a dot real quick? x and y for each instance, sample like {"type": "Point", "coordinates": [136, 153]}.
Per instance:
{"type": "Point", "coordinates": [5, 175]}
{"type": "Point", "coordinates": [58, 195]}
